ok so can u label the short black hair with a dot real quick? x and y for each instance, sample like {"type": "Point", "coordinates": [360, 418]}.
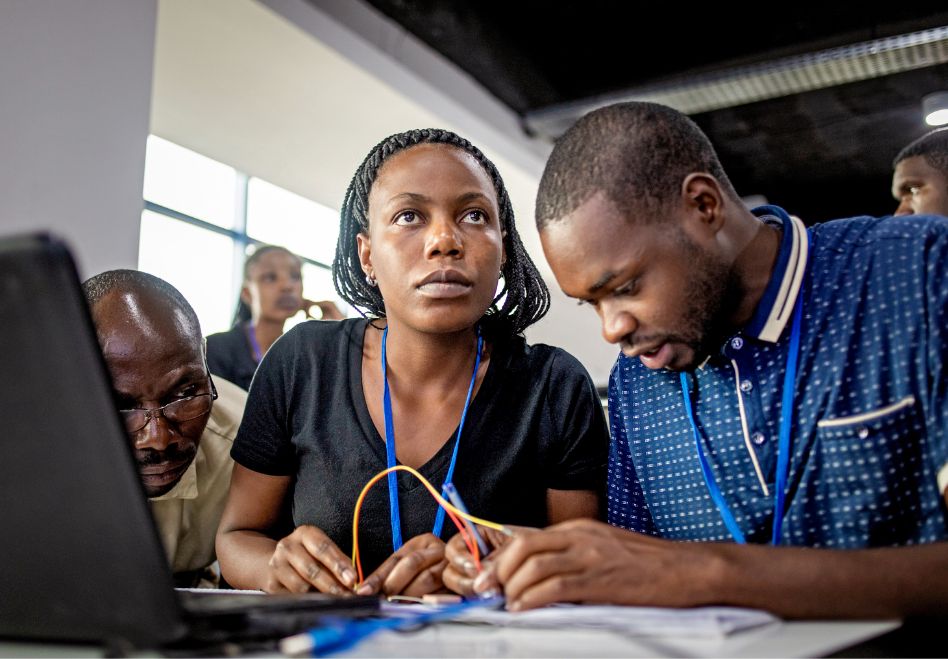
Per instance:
{"type": "Point", "coordinates": [933, 146]}
{"type": "Point", "coordinates": [527, 297]}
{"type": "Point", "coordinates": [636, 153]}
{"type": "Point", "coordinates": [97, 287]}
{"type": "Point", "coordinates": [243, 313]}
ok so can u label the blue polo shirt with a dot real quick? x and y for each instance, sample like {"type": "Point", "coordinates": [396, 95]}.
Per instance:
{"type": "Point", "coordinates": [869, 451]}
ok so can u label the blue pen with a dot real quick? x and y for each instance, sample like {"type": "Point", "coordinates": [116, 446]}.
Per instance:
{"type": "Point", "coordinates": [455, 499]}
{"type": "Point", "coordinates": [338, 635]}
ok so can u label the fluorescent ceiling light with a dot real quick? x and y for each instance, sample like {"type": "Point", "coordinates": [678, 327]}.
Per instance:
{"type": "Point", "coordinates": [935, 109]}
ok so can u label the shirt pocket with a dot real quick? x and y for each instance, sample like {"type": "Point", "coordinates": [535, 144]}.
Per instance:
{"type": "Point", "coordinates": [871, 468]}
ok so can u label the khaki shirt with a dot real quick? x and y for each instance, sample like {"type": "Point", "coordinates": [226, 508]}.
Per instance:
{"type": "Point", "coordinates": [187, 517]}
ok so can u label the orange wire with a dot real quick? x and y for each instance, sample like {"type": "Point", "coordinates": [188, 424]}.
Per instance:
{"type": "Point", "coordinates": [357, 559]}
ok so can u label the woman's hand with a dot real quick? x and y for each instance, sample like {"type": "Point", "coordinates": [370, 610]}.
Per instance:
{"type": "Point", "coordinates": [413, 570]}
{"type": "Point", "coordinates": [461, 573]}
{"type": "Point", "coordinates": [327, 308]}
{"type": "Point", "coordinates": [306, 560]}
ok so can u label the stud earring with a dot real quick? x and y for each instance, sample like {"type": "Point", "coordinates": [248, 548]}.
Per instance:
{"type": "Point", "coordinates": [370, 280]}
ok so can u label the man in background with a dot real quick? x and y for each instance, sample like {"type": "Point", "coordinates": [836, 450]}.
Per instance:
{"type": "Point", "coordinates": [920, 180]}
{"type": "Point", "coordinates": [180, 422]}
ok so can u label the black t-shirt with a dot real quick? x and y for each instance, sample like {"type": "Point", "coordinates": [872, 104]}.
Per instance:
{"type": "Point", "coordinates": [230, 355]}
{"type": "Point", "coordinates": [535, 423]}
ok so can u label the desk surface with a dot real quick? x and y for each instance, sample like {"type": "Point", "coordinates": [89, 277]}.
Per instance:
{"type": "Point", "coordinates": [782, 639]}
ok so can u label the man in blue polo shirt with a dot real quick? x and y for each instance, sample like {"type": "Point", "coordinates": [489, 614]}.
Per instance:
{"type": "Point", "coordinates": [778, 386]}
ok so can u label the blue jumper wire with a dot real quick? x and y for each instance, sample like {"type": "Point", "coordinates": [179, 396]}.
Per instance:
{"type": "Point", "coordinates": [342, 634]}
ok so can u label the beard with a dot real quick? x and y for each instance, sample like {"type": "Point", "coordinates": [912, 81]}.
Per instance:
{"type": "Point", "coordinates": [714, 292]}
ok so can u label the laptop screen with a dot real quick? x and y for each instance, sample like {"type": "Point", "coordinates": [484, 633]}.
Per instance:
{"type": "Point", "coordinates": [80, 558]}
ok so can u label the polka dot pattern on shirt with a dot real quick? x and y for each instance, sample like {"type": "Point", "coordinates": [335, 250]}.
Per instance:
{"type": "Point", "coordinates": [870, 427]}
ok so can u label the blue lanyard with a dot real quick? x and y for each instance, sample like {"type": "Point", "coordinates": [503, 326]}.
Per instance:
{"type": "Point", "coordinates": [252, 337]}
{"type": "Point", "coordinates": [783, 443]}
{"type": "Point", "coordinates": [390, 444]}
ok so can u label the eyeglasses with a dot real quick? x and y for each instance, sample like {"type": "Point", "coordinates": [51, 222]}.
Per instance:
{"type": "Point", "coordinates": [177, 411]}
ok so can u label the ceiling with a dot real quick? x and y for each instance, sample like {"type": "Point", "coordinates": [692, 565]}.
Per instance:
{"type": "Point", "coordinates": [823, 152]}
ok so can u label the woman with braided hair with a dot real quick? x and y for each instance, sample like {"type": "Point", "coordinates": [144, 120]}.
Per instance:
{"type": "Point", "coordinates": [436, 376]}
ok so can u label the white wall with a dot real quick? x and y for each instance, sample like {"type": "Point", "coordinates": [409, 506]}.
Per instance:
{"type": "Point", "coordinates": [382, 49]}
{"type": "Point", "coordinates": [76, 96]}
{"type": "Point", "coordinates": [75, 88]}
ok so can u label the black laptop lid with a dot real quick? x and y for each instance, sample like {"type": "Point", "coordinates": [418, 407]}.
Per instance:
{"type": "Point", "coordinates": [79, 555]}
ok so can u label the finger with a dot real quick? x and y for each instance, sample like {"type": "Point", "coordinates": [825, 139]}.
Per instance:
{"type": "Point", "coordinates": [282, 575]}
{"type": "Point", "coordinates": [539, 567]}
{"type": "Point", "coordinates": [486, 583]}
{"type": "Point", "coordinates": [286, 582]}
{"type": "Point", "coordinates": [556, 588]}
{"type": "Point", "coordinates": [410, 567]}
{"type": "Point", "coordinates": [499, 539]}
{"type": "Point", "coordinates": [373, 583]}
{"type": "Point", "coordinates": [330, 557]}
{"type": "Point", "coordinates": [459, 557]}
{"type": "Point", "coordinates": [457, 581]}
{"type": "Point", "coordinates": [429, 580]}
{"type": "Point", "coordinates": [313, 572]}
{"type": "Point", "coordinates": [522, 547]}
{"type": "Point", "coordinates": [329, 310]}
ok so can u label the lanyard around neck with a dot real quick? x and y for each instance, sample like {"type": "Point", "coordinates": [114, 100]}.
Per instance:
{"type": "Point", "coordinates": [783, 442]}
{"type": "Point", "coordinates": [390, 443]}
{"type": "Point", "coordinates": [254, 345]}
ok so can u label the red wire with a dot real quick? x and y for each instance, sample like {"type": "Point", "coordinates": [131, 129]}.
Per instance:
{"type": "Point", "coordinates": [468, 540]}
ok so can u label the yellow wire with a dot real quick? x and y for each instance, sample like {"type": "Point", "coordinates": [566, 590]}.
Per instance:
{"type": "Point", "coordinates": [441, 500]}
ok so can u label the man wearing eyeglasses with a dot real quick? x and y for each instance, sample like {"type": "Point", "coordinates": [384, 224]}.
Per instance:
{"type": "Point", "coordinates": [180, 422]}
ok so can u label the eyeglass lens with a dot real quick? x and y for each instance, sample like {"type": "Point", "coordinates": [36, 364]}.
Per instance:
{"type": "Point", "coordinates": [178, 411]}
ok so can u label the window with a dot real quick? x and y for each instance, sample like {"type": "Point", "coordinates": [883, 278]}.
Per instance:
{"type": "Point", "coordinates": [190, 183]}
{"type": "Point", "coordinates": [277, 216]}
{"type": "Point", "coordinates": [194, 260]}
{"type": "Point", "coordinates": [203, 217]}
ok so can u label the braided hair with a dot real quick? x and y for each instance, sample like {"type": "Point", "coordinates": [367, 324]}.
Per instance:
{"type": "Point", "coordinates": [526, 298]}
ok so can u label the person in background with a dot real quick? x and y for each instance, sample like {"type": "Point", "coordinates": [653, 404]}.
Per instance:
{"type": "Point", "coordinates": [920, 179]}
{"type": "Point", "coordinates": [779, 412]}
{"type": "Point", "coordinates": [437, 377]}
{"type": "Point", "coordinates": [271, 294]}
{"type": "Point", "coordinates": [180, 422]}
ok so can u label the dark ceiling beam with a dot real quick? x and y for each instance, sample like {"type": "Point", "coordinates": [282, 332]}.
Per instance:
{"type": "Point", "coordinates": [736, 86]}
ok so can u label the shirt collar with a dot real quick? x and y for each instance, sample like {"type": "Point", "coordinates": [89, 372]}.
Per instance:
{"type": "Point", "coordinates": [776, 305]}
{"type": "Point", "coordinates": [186, 488]}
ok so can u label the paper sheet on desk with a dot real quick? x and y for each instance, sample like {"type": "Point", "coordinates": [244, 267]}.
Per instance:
{"type": "Point", "coordinates": [222, 591]}
{"type": "Point", "coordinates": [705, 622]}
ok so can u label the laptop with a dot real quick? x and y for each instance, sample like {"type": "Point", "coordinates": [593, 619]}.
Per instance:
{"type": "Point", "coordinates": [80, 558]}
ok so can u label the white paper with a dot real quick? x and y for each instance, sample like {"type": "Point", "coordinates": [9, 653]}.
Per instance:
{"type": "Point", "coordinates": [704, 622]}
{"type": "Point", "coordinates": [221, 591]}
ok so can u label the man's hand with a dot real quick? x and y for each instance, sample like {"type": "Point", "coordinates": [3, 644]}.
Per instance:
{"type": "Point", "coordinates": [592, 562]}
{"type": "Point", "coordinates": [460, 574]}
{"type": "Point", "coordinates": [413, 570]}
{"type": "Point", "coordinates": [307, 559]}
